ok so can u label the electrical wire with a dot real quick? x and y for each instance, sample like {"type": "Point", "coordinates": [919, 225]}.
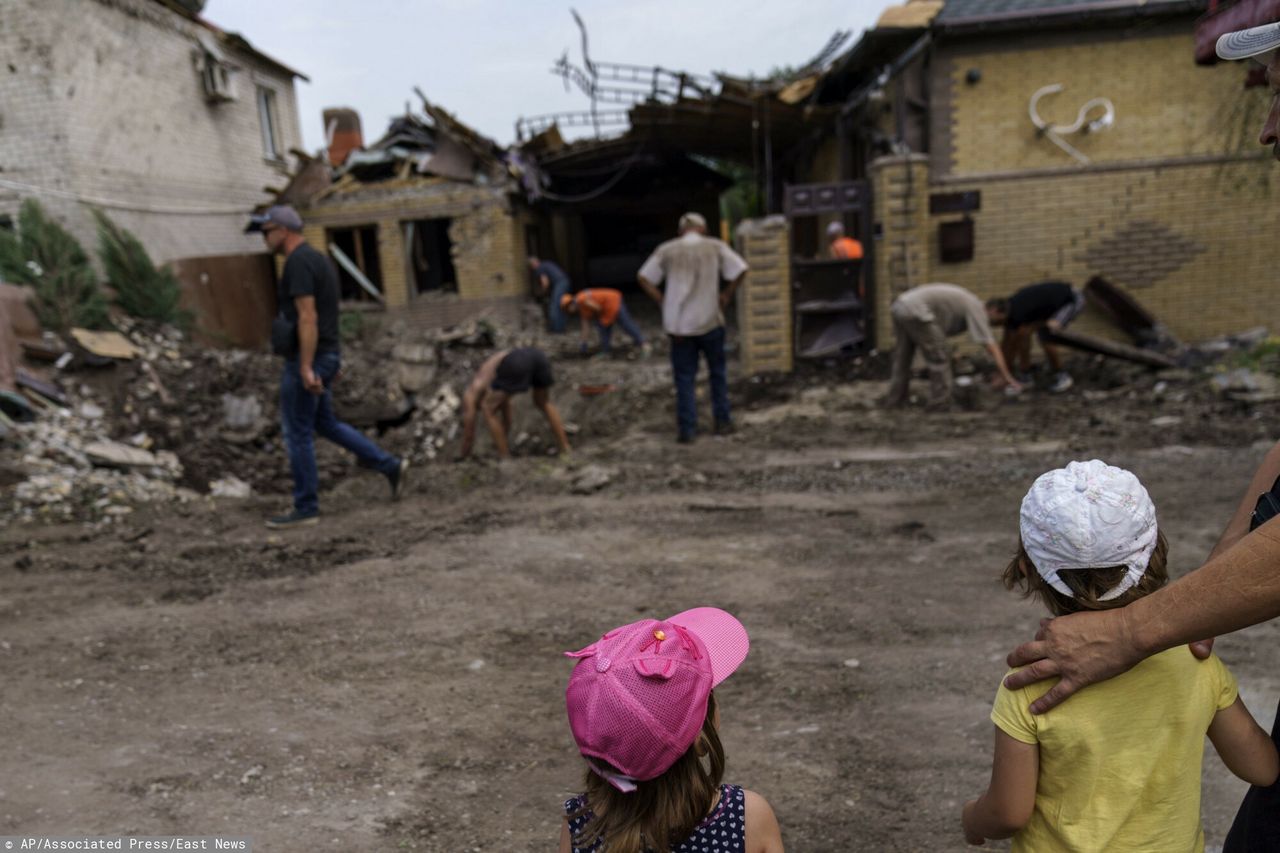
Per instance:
{"type": "Point", "coordinates": [598, 191]}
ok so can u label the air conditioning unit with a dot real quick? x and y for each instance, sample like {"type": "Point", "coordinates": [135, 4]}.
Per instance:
{"type": "Point", "coordinates": [217, 78]}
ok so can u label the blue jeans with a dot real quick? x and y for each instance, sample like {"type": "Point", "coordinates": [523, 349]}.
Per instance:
{"type": "Point", "coordinates": [684, 367]}
{"type": "Point", "coordinates": [305, 415]}
{"type": "Point", "coordinates": [555, 314]}
{"type": "Point", "coordinates": [628, 325]}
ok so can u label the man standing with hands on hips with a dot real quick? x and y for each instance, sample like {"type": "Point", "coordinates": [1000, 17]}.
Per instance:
{"type": "Point", "coordinates": [690, 268]}
{"type": "Point", "coordinates": [305, 334]}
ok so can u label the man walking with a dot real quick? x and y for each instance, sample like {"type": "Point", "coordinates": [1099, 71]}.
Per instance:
{"type": "Point", "coordinates": [692, 267]}
{"type": "Point", "coordinates": [1039, 309]}
{"type": "Point", "coordinates": [923, 318]}
{"type": "Point", "coordinates": [305, 333]}
{"type": "Point", "coordinates": [553, 283]}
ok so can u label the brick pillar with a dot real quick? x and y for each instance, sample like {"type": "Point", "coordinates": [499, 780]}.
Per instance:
{"type": "Point", "coordinates": [395, 282]}
{"type": "Point", "coordinates": [901, 192]}
{"type": "Point", "coordinates": [764, 300]}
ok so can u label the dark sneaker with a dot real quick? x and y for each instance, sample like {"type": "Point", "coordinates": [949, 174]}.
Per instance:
{"type": "Point", "coordinates": [397, 479]}
{"type": "Point", "coordinates": [724, 428]}
{"type": "Point", "coordinates": [684, 438]}
{"type": "Point", "coordinates": [293, 519]}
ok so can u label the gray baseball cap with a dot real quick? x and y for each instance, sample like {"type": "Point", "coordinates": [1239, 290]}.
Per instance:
{"type": "Point", "coordinates": [281, 214]}
{"type": "Point", "coordinates": [1243, 44]}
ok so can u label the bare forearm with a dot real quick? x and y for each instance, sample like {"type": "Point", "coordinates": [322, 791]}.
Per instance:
{"type": "Point", "coordinates": [731, 288]}
{"type": "Point", "coordinates": [468, 431]}
{"type": "Point", "coordinates": [982, 818]}
{"type": "Point", "coordinates": [648, 288]}
{"type": "Point", "coordinates": [1262, 480]}
{"type": "Point", "coordinates": [308, 335]}
{"type": "Point", "coordinates": [1238, 588]}
{"type": "Point", "coordinates": [496, 430]}
{"type": "Point", "coordinates": [1001, 366]}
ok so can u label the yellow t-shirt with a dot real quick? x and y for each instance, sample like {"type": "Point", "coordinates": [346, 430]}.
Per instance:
{"type": "Point", "coordinates": [1120, 760]}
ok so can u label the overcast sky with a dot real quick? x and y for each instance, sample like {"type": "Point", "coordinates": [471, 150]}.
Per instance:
{"type": "Point", "coordinates": [488, 62]}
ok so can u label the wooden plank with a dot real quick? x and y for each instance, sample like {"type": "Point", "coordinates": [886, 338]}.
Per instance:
{"type": "Point", "coordinates": [1112, 349]}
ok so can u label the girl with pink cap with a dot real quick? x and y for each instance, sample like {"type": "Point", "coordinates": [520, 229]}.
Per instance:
{"type": "Point", "coordinates": [1117, 767]}
{"type": "Point", "coordinates": [645, 720]}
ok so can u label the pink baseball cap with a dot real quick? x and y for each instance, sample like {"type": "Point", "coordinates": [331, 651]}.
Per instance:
{"type": "Point", "coordinates": [637, 697]}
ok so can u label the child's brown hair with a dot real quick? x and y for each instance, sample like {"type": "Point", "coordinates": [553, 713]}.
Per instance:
{"type": "Point", "coordinates": [661, 811]}
{"type": "Point", "coordinates": [1089, 585]}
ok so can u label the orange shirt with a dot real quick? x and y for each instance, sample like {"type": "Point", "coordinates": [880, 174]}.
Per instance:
{"type": "Point", "coordinates": [846, 248]}
{"type": "Point", "coordinates": [609, 300]}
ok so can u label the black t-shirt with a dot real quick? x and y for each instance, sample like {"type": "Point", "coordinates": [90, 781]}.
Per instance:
{"type": "Point", "coordinates": [309, 273]}
{"type": "Point", "coordinates": [1036, 303]}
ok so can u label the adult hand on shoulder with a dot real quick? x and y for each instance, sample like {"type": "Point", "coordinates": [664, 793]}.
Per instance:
{"type": "Point", "coordinates": [1082, 649]}
{"type": "Point", "coordinates": [1202, 648]}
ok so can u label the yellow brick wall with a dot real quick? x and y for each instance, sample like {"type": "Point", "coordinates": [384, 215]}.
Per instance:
{"type": "Point", "coordinates": [765, 325]}
{"type": "Point", "coordinates": [900, 193]}
{"type": "Point", "coordinates": [1192, 243]}
{"type": "Point", "coordinates": [488, 242]}
{"type": "Point", "coordinates": [1166, 106]}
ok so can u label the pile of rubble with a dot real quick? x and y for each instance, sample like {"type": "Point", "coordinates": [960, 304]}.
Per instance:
{"type": "Point", "coordinates": [162, 419]}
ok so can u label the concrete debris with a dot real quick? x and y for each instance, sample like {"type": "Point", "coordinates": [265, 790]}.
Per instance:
{"type": "Point", "coordinates": [591, 479]}
{"type": "Point", "coordinates": [1247, 386]}
{"type": "Point", "coordinates": [230, 487]}
{"type": "Point", "coordinates": [241, 412]}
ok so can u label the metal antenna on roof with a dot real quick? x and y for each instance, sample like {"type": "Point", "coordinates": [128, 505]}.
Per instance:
{"type": "Point", "coordinates": [591, 69]}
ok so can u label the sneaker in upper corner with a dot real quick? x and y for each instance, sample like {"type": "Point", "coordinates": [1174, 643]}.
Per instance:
{"type": "Point", "coordinates": [1061, 383]}
{"type": "Point", "coordinates": [293, 519]}
{"type": "Point", "coordinates": [397, 479]}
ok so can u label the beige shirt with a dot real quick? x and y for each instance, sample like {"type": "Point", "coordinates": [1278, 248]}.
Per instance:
{"type": "Point", "coordinates": [953, 308]}
{"type": "Point", "coordinates": [692, 266]}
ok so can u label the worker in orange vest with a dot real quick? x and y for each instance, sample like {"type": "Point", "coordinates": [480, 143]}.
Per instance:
{"type": "Point", "coordinates": [604, 307]}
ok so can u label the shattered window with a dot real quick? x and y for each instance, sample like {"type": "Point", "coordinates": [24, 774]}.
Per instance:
{"type": "Point", "coordinates": [267, 118]}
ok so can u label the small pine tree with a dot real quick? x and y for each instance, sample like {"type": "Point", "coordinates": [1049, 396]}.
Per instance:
{"type": "Point", "coordinates": [142, 289]}
{"type": "Point", "coordinates": [45, 256]}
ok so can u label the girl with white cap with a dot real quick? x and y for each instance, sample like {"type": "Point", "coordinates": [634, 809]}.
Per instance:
{"type": "Point", "coordinates": [645, 721]}
{"type": "Point", "coordinates": [1118, 767]}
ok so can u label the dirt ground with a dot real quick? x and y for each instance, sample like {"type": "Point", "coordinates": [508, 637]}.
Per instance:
{"type": "Point", "coordinates": [392, 680]}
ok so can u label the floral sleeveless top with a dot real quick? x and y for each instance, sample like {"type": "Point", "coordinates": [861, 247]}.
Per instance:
{"type": "Point", "coordinates": [724, 830]}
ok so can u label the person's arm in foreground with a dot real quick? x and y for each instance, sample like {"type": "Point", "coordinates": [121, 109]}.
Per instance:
{"type": "Point", "coordinates": [308, 336]}
{"type": "Point", "coordinates": [566, 840]}
{"type": "Point", "coordinates": [1010, 799]}
{"type": "Point", "coordinates": [1262, 481]}
{"type": "Point", "coordinates": [1239, 588]}
{"type": "Point", "coordinates": [763, 835]}
{"type": "Point", "coordinates": [1001, 366]}
{"type": "Point", "coordinates": [1243, 745]}
{"type": "Point", "coordinates": [542, 401]}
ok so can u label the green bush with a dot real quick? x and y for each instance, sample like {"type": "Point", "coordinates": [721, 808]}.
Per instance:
{"type": "Point", "coordinates": [45, 256]}
{"type": "Point", "coordinates": [142, 290]}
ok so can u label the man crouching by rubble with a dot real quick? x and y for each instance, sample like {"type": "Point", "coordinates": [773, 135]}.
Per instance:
{"type": "Point", "coordinates": [504, 374]}
{"type": "Point", "coordinates": [305, 334]}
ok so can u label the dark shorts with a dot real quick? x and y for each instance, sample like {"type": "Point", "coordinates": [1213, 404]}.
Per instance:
{"type": "Point", "coordinates": [521, 369]}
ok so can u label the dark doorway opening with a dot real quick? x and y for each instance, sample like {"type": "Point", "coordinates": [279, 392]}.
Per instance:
{"type": "Point", "coordinates": [359, 246]}
{"type": "Point", "coordinates": [430, 255]}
